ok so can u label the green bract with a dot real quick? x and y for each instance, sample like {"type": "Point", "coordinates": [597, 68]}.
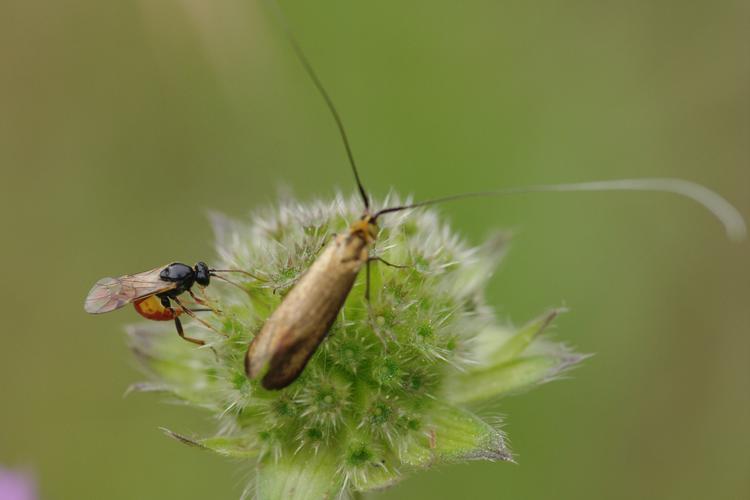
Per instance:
{"type": "Point", "coordinates": [392, 388]}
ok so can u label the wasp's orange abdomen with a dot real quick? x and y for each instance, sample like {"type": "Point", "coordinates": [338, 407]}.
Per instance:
{"type": "Point", "coordinates": [151, 308]}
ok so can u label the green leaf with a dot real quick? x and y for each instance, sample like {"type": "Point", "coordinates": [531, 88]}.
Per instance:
{"type": "Point", "coordinates": [237, 447]}
{"type": "Point", "coordinates": [456, 435]}
{"type": "Point", "coordinates": [367, 464]}
{"type": "Point", "coordinates": [297, 477]}
{"type": "Point", "coordinates": [509, 378]}
{"type": "Point", "coordinates": [378, 478]}
{"type": "Point", "coordinates": [523, 337]}
{"type": "Point", "coordinates": [175, 366]}
{"type": "Point", "coordinates": [507, 370]}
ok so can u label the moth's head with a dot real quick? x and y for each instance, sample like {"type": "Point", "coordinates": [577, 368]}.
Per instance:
{"type": "Point", "coordinates": [366, 227]}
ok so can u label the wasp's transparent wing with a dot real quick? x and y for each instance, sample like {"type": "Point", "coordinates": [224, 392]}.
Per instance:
{"type": "Point", "coordinates": [109, 294]}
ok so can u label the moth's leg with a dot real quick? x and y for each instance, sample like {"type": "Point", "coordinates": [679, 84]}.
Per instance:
{"type": "Point", "coordinates": [367, 275]}
{"type": "Point", "coordinates": [367, 294]}
{"type": "Point", "coordinates": [367, 272]}
{"type": "Point", "coordinates": [326, 240]}
{"type": "Point", "coordinates": [177, 323]}
{"type": "Point", "coordinates": [373, 321]}
{"type": "Point", "coordinates": [381, 259]}
{"type": "Point", "coordinates": [367, 281]}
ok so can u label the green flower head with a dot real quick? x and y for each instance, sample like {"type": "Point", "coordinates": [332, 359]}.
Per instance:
{"type": "Point", "coordinates": [395, 386]}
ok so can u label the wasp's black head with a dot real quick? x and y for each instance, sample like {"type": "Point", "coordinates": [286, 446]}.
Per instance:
{"type": "Point", "coordinates": [202, 274]}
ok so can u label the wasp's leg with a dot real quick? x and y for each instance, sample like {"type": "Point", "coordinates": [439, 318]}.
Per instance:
{"type": "Point", "coordinates": [177, 323]}
{"type": "Point", "coordinates": [195, 317]}
{"type": "Point", "coordinates": [202, 302]}
{"type": "Point", "coordinates": [198, 300]}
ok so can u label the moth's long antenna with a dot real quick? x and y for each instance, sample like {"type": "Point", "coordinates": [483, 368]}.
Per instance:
{"type": "Point", "coordinates": [729, 216]}
{"type": "Point", "coordinates": [281, 19]}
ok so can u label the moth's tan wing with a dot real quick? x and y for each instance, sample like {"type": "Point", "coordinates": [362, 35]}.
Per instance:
{"type": "Point", "coordinates": [109, 294]}
{"type": "Point", "coordinates": [299, 324]}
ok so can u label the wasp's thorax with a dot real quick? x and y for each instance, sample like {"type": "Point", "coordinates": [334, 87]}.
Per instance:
{"type": "Point", "coordinates": [185, 276]}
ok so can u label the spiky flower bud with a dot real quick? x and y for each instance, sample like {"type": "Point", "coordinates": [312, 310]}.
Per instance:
{"type": "Point", "coordinates": [391, 389]}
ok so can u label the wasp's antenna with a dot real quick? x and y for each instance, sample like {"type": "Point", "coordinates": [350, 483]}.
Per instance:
{"type": "Point", "coordinates": [729, 216]}
{"type": "Point", "coordinates": [246, 273]}
{"type": "Point", "coordinates": [279, 14]}
{"type": "Point", "coordinates": [222, 278]}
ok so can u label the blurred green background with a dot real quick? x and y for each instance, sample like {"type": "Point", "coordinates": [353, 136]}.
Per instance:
{"type": "Point", "coordinates": [121, 123]}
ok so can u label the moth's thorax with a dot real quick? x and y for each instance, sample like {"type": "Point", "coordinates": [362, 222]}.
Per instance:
{"type": "Point", "coordinates": [351, 249]}
{"type": "Point", "coordinates": [366, 228]}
